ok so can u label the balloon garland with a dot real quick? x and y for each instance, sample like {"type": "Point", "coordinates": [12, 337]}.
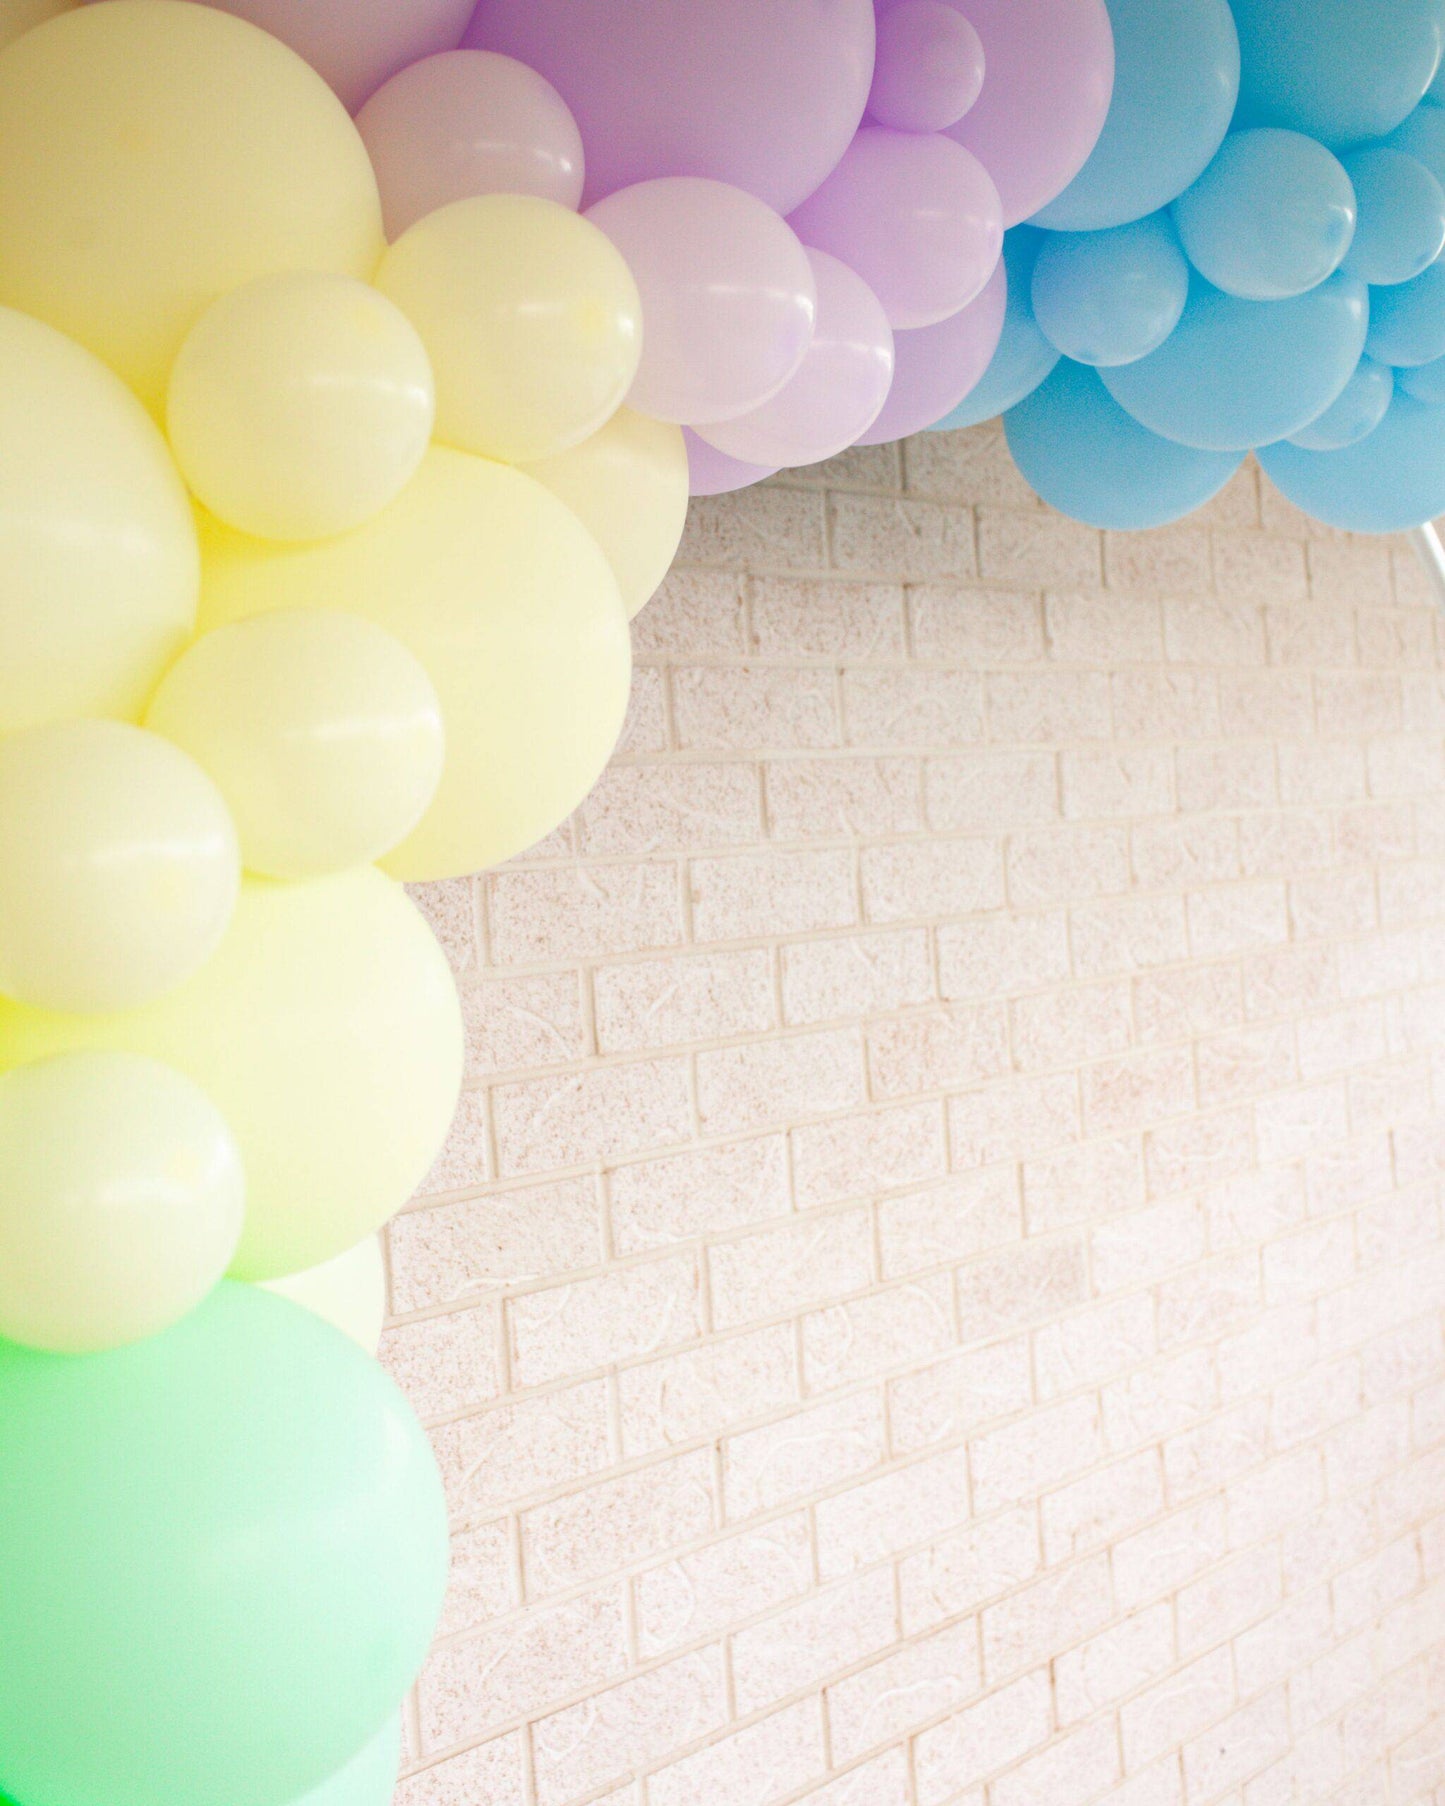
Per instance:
{"type": "Point", "coordinates": [335, 454]}
{"type": "Point", "coordinates": [1248, 261]}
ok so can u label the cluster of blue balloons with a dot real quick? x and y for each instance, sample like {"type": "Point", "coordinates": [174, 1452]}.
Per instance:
{"type": "Point", "coordinates": [1251, 260]}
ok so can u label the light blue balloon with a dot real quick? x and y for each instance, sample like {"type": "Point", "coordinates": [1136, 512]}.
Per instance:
{"type": "Point", "coordinates": [1407, 322]}
{"type": "Point", "coordinates": [1236, 374]}
{"type": "Point", "coordinates": [369, 1779]}
{"type": "Point", "coordinates": [1355, 415]}
{"type": "Point", "coordinates": [1111, 297]}
{"type": "Point", "coordinates": [1388, 483]}
{"type": "Point", "coordinates": [1271, 217]}
{"type": "Point", "coordinates": [1176, 78]}
{"type": "Point", "coordinates": [1085, 456]}
{"type": "Point", "coordinates": [1024, 356]}
{"type": "Point", "coordinates": [1342, 71]}
{"type": "Point", "coordinates": [1422, 136]}
{"type": "Point", "coordinates": [1400, 230]}
{"type": "Point", "coordinates": [1426, 382]}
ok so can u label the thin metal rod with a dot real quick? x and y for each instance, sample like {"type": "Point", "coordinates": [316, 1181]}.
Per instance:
{"type": "Point", "coordinates": [1426, 542]}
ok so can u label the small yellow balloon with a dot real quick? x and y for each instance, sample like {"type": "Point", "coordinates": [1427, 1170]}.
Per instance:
{"type": "Point", "coordinates": [509, 604]}
{"type": "Point", "coordinates": [326, 1030]}
{"type": "Point", "coordinates": [155, 154]}
{"type": "Point", "coordinates": [628, 485]}
{"type": "Point", "coordinates": [300, 405]}
{"type": "Point", "coordinates": [349, 1292]}
{"type": "Point", "coordinates": [19, 16]}
{"type": "Point", "coordinates": [99, 568]}
{"type": "Point", "coordinates": [320, 729]}
{"type": "Point", "coordinates": [118, 866]}
{"type": "Point", "coordinates": [121, 1200]}
{"type": "Point", "coordinates": [531, 317]}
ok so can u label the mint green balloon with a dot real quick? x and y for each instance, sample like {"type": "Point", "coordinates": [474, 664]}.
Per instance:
{"type": "Point", "coordinates": [222, 1553]}
{"type": "Point", "coordinates": [369, 1779]}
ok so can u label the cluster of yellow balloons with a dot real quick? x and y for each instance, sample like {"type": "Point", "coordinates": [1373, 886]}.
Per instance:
{"type": "Point", "coordinates": [317, 556]}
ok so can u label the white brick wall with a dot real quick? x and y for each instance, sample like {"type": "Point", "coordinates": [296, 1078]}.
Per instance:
{"type": "Point", "coordinates": [936, 1296]}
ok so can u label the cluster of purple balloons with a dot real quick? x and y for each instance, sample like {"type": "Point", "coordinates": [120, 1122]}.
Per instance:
{"type": "Point", "coordinates": [812, 196]}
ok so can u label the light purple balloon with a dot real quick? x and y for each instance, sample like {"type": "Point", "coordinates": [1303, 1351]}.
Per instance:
{"type": "Point", "coordinates": [840, 385]}
{"type": "Point", "coordinates": [930, 66]}
{"type": "Point", "coordinates": [468, 122]}
{"type": "Point", "coordinates": [1050, 79]}
{"type": "Point", "coordinates": [357, 44]}
{"type": "Point", "coordinates": [935, 367]}
{"type": "Point", "coordinates": [916, 216]}
{"type": "Point", "coordinates": [711, 472]}
{"type": "Point", "coordinates": [728, 298]}
{"type": "Point", "coordinates": [765, 94]}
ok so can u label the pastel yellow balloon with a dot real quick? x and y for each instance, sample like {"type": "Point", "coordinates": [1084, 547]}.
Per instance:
{"type": "Point", "coordinates": [509, 604]}
{"type": "Point", "coordinates": [121, 1199]}
{"type": "Point", "coordinates": [531, 317]}
{"type": "Point", "coordinates": [320, 729]}
{"type": "Point", "coordinates": [628, 485]}
{"type": "Point", "coordinates": [349, 1292]}
{"type": "Point", "coordinates": [99, 568]}
{"type": "Point", "coordinates": [20, 16]}
{"type": "Point", "coordinates": [326, 1030]}
{"type": "Point", "coordinates": [300, 405]}
{"type": "Point", "coordinates": [118, 866]}
{"type": "Point", "coordinates": [155, 154]}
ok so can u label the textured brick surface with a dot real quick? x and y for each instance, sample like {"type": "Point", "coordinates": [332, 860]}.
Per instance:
{"type": "Point", "coordinates": [936, 1294]}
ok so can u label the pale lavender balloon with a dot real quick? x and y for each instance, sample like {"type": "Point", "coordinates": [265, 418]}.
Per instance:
{"type": "Point", "coordinates": [765, 94]}
{"type": "Point", "coordinates": [468, 122]}
{"type": "Point", "coordinates": [1044, 102]}
{"type": "Point", "coordinates": [357, 44]}
{"type": "Point", "coordinates": [711, 472]}
{"type": "Point", "coordinates": [839, 387]}
{"type": "Point", "coordinates": [935, 367]}
{"type": "Point", "coordinates": [917, 217]}
{"type": "Point", "coordinates": [728, 298]}
{"type": "Point", "coordinates": [930, 66]}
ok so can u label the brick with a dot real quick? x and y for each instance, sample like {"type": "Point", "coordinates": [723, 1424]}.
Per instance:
{"type": "Point", "coordinates": [617, 1522]}
{"type": "Point", "coordinates": [705, 1191]}
{"type": "Point", "coordinates": [608, 1111]}
{"type": "Point", "coordinates": [803, 1454]}
{"type": "Point", "coordinates": [1018, 1463]}
{"type": "Point", "coordinates": [673, 808]}
{"type": "Point", "coordinates": [700, 1392]}
{"type": "Point", "coordinates": [452, 1252]}
{"type": "Point", "coordinates": [664, 1003]}
{"type": "Point", "coordinates": [982, 1739]}
{"type": "Point", "coordinates": [698, 1595]}
{"type": "Point", "coordinates": [922, 1680]}
{"type": "Point", "coordinates": [963, 1215]}
{"type": "Point", "coordinates": [856, 975]}
{"type": "Point", "coordinates": [962, 1571]}
{"type": "Point", "coordinates": [619, 1316]}
{"type": "Point", "coordinates": [866, 1337]}
{"type": "Point", "coordinates": [763, 1762]}
{"type": "Point", "coordinates": [885, 707]}
{"type": "Point", "coordinates": [785, 1269]}
{"type": "Point", "coordinates": [842, 799]}
{"type": "Point", "coordinates": [764, 1082]}
{"type": "Point", "coordinates": [572, 914]}
{"type": "Point", "coordinates": [807, 1643]}
{"type": "Point", "coordinates": [879, 1518]}
{"type": "Point", "coordinates": [826, 618]}
{"type": "Point", "coordinates": [953, 1397]}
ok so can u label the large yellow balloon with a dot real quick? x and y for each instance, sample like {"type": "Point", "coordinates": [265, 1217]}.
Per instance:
{"type": "Point", "coordinates": [118, 866]}
{"type": "Point", "coordinates": [531, 316]}
{"type": "Point", "coordinates": [300, 405]}
{"type": "Point", "coordinates": [99, 568]}
{"type": "Point", "coordinates": [628, 485]}
{"type": "Point", "coordinates": [20, 16]}
{"type": "Point", "coordinates": [326, 1030]}
{"type": "Point", "coordinates": [348, 1291]}
{"type": "Point", "coordinates": [121, 1200]}
{"type": "Point", "coordinates": [155, 154]}
{"type": "Point", "coordinates": [509, 604]}
{"type": "Point", "coordinates": [319, 728]}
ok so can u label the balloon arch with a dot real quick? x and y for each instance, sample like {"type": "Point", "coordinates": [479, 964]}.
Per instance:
{"type": "Point", "coordinates": [357, 360]}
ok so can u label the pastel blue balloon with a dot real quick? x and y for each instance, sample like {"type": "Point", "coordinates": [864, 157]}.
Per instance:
{"type": "Point", "coordinates": [1400, 228]}
{"type": "Point", "coordinates": [1355, 415]}
{"type": "Point", "coordinates": [1407, 322]}
{"type": "Point", "coordinates": [1176, 78]}
{"type": "Point", "coordinates": [1426, 382]}
{"type": "Point", "coordinates": [1388, 483]}
{"type": "Point", "coordinates": [1342, 71]}
{"type": "Point", "coordinates": [1422, 136]}
{"type": "Point", "coordinates": [1024, 356]}
{"type": "Point", "coordinates": [1271, 217]}
{"type": "Point", "coordinates": [1236, 374]}
{"type": "Point", "coordinates": [1084, 455]}
{"type": "Point", "coordinates": [1111, 297]}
